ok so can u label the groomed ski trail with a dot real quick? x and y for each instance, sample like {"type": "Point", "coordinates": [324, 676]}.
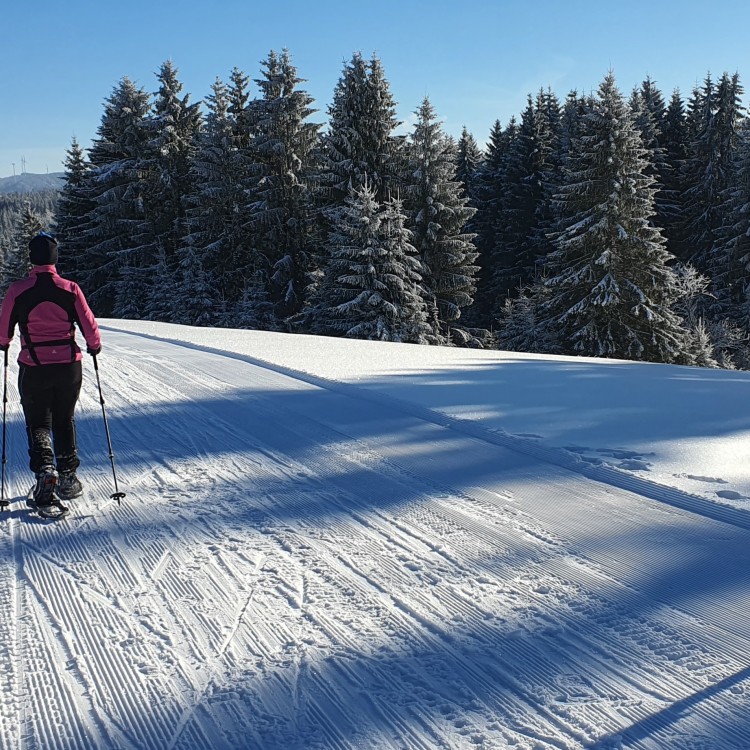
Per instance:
{"type": "Point", "coordinates": [296, 567]}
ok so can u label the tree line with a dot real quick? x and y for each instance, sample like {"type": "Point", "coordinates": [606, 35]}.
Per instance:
{"type": "Point", "coordinates": [600, 225]}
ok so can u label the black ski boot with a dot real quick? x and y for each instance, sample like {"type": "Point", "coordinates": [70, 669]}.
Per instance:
{"type": "Point", "coordinates": [68, 486]}
{"type": "Point", "coordinates": [41, 497]}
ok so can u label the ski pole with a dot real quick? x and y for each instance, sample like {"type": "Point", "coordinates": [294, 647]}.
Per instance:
{"type": "Point", "coordinates": [116, 494]}
{"type": "Point", "coordinates": [3, 502]}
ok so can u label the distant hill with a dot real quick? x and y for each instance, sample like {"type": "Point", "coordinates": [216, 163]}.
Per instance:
{"type": "Point", "coordinates": [31, 183]}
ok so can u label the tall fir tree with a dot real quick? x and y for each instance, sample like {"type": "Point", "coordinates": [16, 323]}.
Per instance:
{"type": "Point", "coordinates": [649, 110]}
{"type": "Point", "coordinates": [730, 256]}
{"type": "Point", "coordinates": [674, 141]}
{"type": "Point", "coordinates": [440, 212]}
{"type": "Point", "coordinates": [371, 288]}
{"type": "Point", "coordinates": [360, 145]}
{"type": "Point", "coordinates": [468, 161]}
{"type": "Point", "coordinates": [73, 210]}
{"type": "Point", "coordinates": [713, 120]}
{"type": "Point", "coordinates": [114, 188]}
{"type": "Point", "coordinates": [30, 223]}
{"type": "Point", "coordinates": [513, 263]}
{"type": "Point", "coordinates": [487, 222]}
{"type": "Point", "coordinates": [174, 127]}
{"type": "Point", "coordinates": [611, 287]}
{"type": "Point", "coordinates": [281, 216]}
{"type": "Point", "coordinates": [217, 211]}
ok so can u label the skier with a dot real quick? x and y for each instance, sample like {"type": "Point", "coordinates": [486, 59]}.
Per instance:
{"type": "Point", "coordinates": [45, 307]}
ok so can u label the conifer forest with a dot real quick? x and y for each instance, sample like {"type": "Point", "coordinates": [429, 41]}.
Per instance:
{"type": "Point", "coordinates": [607, 224]}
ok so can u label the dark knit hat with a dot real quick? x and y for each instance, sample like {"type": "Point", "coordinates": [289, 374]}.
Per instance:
{"type": "Point", "coordinates": [43, 250]}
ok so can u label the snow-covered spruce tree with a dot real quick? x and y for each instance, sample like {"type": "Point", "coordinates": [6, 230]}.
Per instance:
{"type": "Point", "coordinates": [468, 161]}
{"type": "Point", "coordinates": [691, 306]}
{"type": "Point", "coordinates": [439, 213]}
{"type": "Point", "coordinates": [714, 118]}
{"type": "Point", "coordinates": [238, 94]}
{"type": "Point", "coordinates": [532, 176]}
{"type": "Point", "coordinates": [73, 210]}
{"type": "Point", "coordinates": [611, 288]}
{"type": "Point", "coordinates": [729, 260]}
{"type": "Point", "coordinates": [360, 146]}
{"type": "Point", "coordinates": [404, 276]}
{"type": "Point", "coordinates": [370, 288]}
{"type": "Point", "coordinates": [486, 223]}
{"type": "Point", "coordinates": [548, 171]}
{"type": "Point", "coordinates": [253, 310]}
{"type": "Point", "coordinates": [281, 215]}
{"type": "Point", "coordinates": [647, 104]}
{"type": "Point", "coordinates": [30, 223]}
{"type": "Point", "coordinates": [194, 298]}
{"type": "Point", "coordinates": [513, 264]}
{"type": "Point", "coordinates": [216, 210]}
{"type": "Point", "coordinates": [114, 188]}
{"type": "Point", "coordinates": [521, 326]}
{"type": "Point", "coordinates": [174, 127]}
{"type": "Point", "coordinates": [674, 141]}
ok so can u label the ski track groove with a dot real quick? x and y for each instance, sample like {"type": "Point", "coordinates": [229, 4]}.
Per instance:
{"type": "Point", "coordinates": [445, 644]}
{"type": "Point", "coordinates": [347, 452]}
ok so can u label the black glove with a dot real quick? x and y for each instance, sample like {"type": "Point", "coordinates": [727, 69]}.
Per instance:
{"type": "Point", "coordinates": [93, 351]}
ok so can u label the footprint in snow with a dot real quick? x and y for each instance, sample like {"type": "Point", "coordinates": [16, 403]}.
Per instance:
{"type": "Point", "coordinates": [730, 495]}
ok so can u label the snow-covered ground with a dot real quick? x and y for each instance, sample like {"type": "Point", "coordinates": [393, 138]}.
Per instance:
{"type": "Point", "coordinates": [346, 544]}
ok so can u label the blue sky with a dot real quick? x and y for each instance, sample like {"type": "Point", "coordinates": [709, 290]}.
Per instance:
{"type": "Point", "coordinates": [476, 59]}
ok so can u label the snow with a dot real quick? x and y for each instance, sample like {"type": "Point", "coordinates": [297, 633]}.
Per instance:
{"type": "Point", "coordinates": [344, 544]}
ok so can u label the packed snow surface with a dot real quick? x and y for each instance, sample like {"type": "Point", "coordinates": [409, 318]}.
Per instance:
{"type": "Point", "coordinates": [346, 544]}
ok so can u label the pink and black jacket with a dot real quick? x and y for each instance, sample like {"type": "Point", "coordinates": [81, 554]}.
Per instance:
{"type": "Point", "coordinates": [46, 309]}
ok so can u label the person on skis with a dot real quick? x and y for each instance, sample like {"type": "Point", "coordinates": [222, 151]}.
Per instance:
{"type": "Point", "coordinates": [46, 308]}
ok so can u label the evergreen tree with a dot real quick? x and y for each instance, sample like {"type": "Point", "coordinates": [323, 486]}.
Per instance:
{"type": "Point", "coordinates": [13, 207]}
{"type": "Point", "coordinates": [468, 162]}
{"type": "Point", "coordinates": [360, 146]}
{"type": "Point", "coordinates": [647, 105]}
{"type": "Point", "coordinates": [73, 210]}
{"type": "Point", "coordinates": [174, 127]}
{"type": "Point", "coordinates": [532, 175]}
{"type": "Point", "coordinates": [440, 212]}
{"type": "Point", "coordinates": [611, 288]}
{"type": "Point", "coordinates": [714, 117]}
{"type": "Point", "coordinates": [281, 215]}
{"type": "Point", "coordinates": [403, 275]}
{"type": "Point", "coordinates": [114, 188]}
{"type": "Point", "coordinates": [730, 257]}
{"type": "Point", "coordinates": [548, 172]}
{"type": "Point", "coordinates": [253, 310]}
{"type": "Point", "coordinates": [674, 139]}
{"type": "Point", "coordinates": [523, 327]}
{"type": "Point", "coordinates": [217, 211]}
{"type": "Point", "coordinates": [513, 262]}
{"type": "Point", "coordinates": [486, 223]}
{"type": "Point", "coordinates": [194, 296]}
{"type": "Point", "coordinates": [238, 100]}
{"type": "Point", "coordinates": [371, 282]}
{"type": "Point", "coordinates": [29, 225]}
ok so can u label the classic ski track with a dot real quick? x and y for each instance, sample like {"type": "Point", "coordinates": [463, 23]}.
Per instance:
{"type": "Point", "coordinates": [488, 681]}
{"type": "Point", "coordinates": [348, 452]}
{"type": "Point", "coordinates": [431, 584]}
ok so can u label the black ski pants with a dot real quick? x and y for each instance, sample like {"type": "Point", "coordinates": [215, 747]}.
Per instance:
{"type": "Point", "coordinates": [49, 394]}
